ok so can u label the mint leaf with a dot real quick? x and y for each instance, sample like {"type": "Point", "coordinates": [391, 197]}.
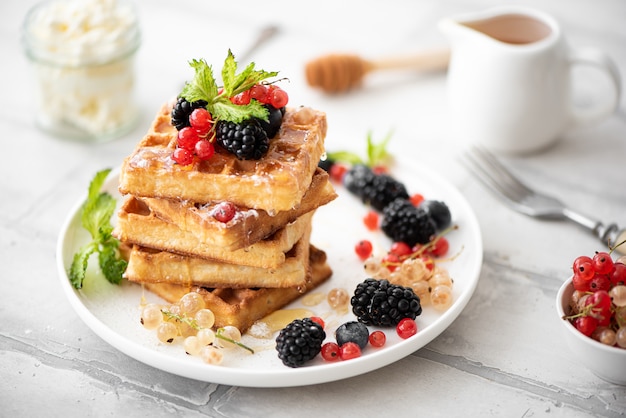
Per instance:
{"type": "Point", "coordinates": [377, 153]}
{"type": "Point", "coordinates": [111, 265]}
{"type": "Point", "coordinates": [345, 157]}
{"type": "Point", "coordinates": [96, 219]}
{"type": "Point", "coordinates": [78, 267]}
{"type": "Point", "coordinates": [204, 87]}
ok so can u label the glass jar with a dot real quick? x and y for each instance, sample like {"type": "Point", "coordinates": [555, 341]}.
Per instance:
{"type": "Point", "coordinates": [82, 54]}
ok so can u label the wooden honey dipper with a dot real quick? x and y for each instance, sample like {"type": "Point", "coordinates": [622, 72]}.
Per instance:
{"type": "Point", "coordinates": [338, 73]}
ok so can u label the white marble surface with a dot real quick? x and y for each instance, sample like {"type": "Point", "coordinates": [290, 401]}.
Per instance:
{"type": "Point", "coordinates": [503, 356]}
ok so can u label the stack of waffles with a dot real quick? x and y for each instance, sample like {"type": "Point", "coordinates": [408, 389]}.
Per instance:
{"type": "Point", "coordinates": [245, 268]}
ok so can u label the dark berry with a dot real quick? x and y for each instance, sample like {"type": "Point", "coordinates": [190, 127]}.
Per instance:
{"type": "Point", "coordinates": [300, 341]}
{"type": "Point", "coordinates": [438, 212]}
{"type": "Point", "coordinates": [383, 190]}
{"type": "Point", "coordinates": [275, 119]}
{"type": "Point", "coordinates": [406, 223]}
{"type": "Point", "coordinates": [353, 331]}
{"type": "Point", "coordinates": [357, 178]}
{"type": "Point", "coordinates": [326, 164]}
{"type": "Point", "coordinates": [380, 303]}
{"type": "Point", "coordinates": [182, 110]}
{"type": "Point", "coordinates": [247, 140]}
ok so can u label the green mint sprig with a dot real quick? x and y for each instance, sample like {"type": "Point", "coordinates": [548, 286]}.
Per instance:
{"type": "Point", "coordinates": [204, 87]}
{"type": "Point", "coordinates": [96, 219]}
{"type": "Point", "coordinates": [376, 153]}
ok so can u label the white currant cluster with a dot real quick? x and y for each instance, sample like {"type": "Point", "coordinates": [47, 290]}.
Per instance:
{"type": "Point", "coordinates": [192, 322]}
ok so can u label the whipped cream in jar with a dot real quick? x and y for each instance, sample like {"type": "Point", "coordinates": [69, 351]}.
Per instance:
{"type": "Point", "coordinates": [82, 53]}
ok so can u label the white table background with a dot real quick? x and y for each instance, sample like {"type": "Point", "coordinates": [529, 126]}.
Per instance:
{"type": "Point", "coordinates": [503, 356]}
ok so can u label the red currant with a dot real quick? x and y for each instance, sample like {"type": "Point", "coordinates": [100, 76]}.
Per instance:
{"type": "Point", "coordinates": [204, 149]}
{"type": "Point", "coordinates": [428, 262]}
{"type": "Point", "coordinates": [586, 324]}
{"type": "Point", "coordinates": [581, 284]}
{"type": "Point", "coordinates": [182, 156]}
{"type": "Point", "coordinates": [330, 352]}
{"type": "Point", "coordinates": [401, 249]}
{"type": "Point", "coordinates": [337, 171]}
{"type": "Point", "coordinates": [318, 320]}
{"type": "Point", "coordinates": [242, 98]}
{"type": "Point", "coordinates": [392, 261]}
{"type": "Point", "coordinates": [583, 267]}
{"type": "Point", "coordinates": [371, 220]}
{"type": "Point", "coordinates": [380, 169]}
{"type": "Point", "coordinates": [349, 351]}
{"type": "Point", "coordinates": [278, 97]}
{"type": "Point", "coordinates": [416, 199]}
{"type": "Point", "coordinates": [258, 92]}
{"type": "Point", "coordinates": [602, 263]}
{"type": "Point", "coordinates": [406, 328]}
{"type": "Point", "coordinates": [377, 339]}
{"type": "Point", "coordinates": [363, 249]}
{"type": "Point", "coordinates": [224, 211]}
{"type": "Point", "coordinates": [600, 282]}
{"type": "Point", "coordinates": [439, 247]}
{"type": "Point", "coordinates": [187, 138]}
{"type": "Point", "coordinates": [618, 276]}
{"type": "Point", "coordinates": [200, 120]}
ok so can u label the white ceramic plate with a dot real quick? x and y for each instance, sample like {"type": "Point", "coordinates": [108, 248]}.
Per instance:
{"type": "Point", "coordinates": [112, 312]}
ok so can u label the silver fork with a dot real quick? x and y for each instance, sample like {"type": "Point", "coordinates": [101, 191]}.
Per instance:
{"type": "Point", "coordinates": [486, 167]}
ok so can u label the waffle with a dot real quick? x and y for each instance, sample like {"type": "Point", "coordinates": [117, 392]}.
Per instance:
{"type": "Point", "coordinates": [248, 226]}
{"type": "Point", "coordinates": [275, 183]}
{"type": "Point", "coordinates": [242, 307]}
{"type": "Point", "coordinates": [148, 265]}
{"type": "Point", "coordinates": [137, 225]}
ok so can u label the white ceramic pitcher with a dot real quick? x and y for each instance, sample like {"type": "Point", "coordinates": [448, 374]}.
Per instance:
{"type": "Point", "coordinates": [509, 81]}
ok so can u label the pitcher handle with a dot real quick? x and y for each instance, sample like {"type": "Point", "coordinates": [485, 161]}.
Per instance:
{"type": "Point", "coordinates": [595, 58]}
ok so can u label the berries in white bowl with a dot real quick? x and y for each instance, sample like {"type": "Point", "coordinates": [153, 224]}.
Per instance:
{"type": "Point", "coordinates": [591, 306]}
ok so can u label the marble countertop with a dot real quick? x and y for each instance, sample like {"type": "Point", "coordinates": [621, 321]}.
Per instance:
{"type": "Point", "coordinates": [503, 356]}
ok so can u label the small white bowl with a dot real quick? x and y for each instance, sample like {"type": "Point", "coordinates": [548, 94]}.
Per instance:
{"type": "Point", "coordinates": [608, 363]}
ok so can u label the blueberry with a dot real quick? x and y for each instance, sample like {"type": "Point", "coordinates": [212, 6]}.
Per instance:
{"type": "Point", "coordinates": [353, 331]}
{"type": "Point", "coordinates": [438, 212]}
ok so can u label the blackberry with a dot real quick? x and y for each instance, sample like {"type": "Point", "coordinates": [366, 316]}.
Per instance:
{"type": "Point", "coordinates": [300, 341]}
{"type": "Point", "coordinates": [357, 178]}
{"type": "Point", "coordinates": [352, 331]}
{"type": "Point", "coordinates": [181, 111]}
{"type": "Point", "coordinates": [438, 212]}
{"type": "Point", "coordinates": [275, 119]}
{"type": "Point", "coordinates": [403, 222]}
{"type": "Point", "coordinates": [380, 303]}
{"type": "Point", "coordinates": [247, 140]}
{"type": "Point", "coordinates": [383, 190]}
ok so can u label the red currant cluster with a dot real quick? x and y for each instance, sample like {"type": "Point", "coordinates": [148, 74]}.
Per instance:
{"type": "Point", "coordinates": [599, 300]}
{"type": "Point", "coordinates": [272, 95]}
{"type": "Point", "coordinates": [196, 139]}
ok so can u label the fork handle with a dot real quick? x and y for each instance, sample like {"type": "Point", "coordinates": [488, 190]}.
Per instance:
{"type": "Point", "coordinates": [610, 234]}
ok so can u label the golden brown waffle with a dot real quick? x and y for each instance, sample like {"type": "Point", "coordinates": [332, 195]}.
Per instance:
{"type": "Point", "coordinates": [137, 225]}
{"type": "Point", "coordinates": [147, 265]}
{"type": "Point", "coordinates": [248, 226]}
{"type": "Point", "coordinates": [243, 307]}
{"type": "Point", "coordinates": [277, 182]}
